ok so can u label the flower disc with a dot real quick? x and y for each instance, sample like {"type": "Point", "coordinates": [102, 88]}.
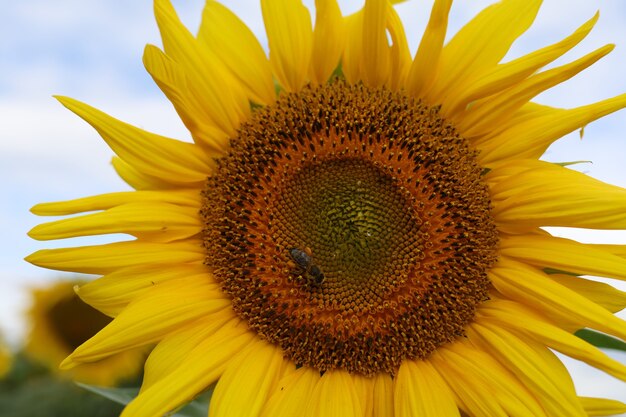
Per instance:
{"type": "Point", "coordinates": [74, 321]}
{"type": "Point", "coordinates": [377, 192]}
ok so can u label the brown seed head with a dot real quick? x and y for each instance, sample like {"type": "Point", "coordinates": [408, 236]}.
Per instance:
{"type": "Point", "coordinates": [390, 200]}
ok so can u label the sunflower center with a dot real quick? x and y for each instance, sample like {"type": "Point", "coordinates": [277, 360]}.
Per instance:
{"type": "Point", "coordinates": [351, 227]}
{"type": "Point", "coordinates": [75, 322]}
{"type": "Point", "coordinates": [358, 226]}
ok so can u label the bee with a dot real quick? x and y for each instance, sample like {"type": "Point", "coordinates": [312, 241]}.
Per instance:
{"type": "Point", "coordinates": [304, 261]}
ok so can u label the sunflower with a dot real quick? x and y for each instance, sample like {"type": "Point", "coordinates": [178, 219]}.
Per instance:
{"type": "Point", "coordinates": [353, 231]}
{"type": "Point", "coordinates": [6, 359]}
{"type": "Point", "coordinates": [60, 322]}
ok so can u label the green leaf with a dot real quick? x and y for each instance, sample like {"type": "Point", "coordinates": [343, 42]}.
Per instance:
{"type": "Point", "coordinates": [565, 164]}
{"type": "Point", "coordinates": [601, 340]}
{"type": "Point", "coordinates": [196, 408]}
{"type": "Point", "coordinates": [119, 395]}
{"type": "Point", "coordinates": [337, 73]}
{"type": "Point", "coordinates": [277, 87]}
{"type": "Point", "coordinates": [29, 390]}
{"type": "Point", "coordinates": [552, 271]}
{"type": "Point", "coordinates": [193, 409]}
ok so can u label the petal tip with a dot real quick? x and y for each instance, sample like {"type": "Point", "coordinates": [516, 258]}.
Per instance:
{"type": "Point", "coordinates": [68, 363]}
{"type": "Point", "coordinates": [33, 234]}
{"type": "Point", "coordinates": [33, 258]}
{"type": "Point", "coordinates": [36, 209]}
{"type": "Point", "coordinates": [63, 99]}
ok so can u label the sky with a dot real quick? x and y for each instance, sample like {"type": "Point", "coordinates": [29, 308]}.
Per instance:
{"type": "Point", "coordinates": [91, 50]}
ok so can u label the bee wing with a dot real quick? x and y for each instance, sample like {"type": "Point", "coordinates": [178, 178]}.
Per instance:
{"type": "Point", "coordinates": [300, 257]}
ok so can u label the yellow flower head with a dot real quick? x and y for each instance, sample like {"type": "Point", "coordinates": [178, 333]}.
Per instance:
{"type": "Point", "coordinates": [353, 231]}
{"type": "Point", "coordinates": [60, 322]}
{"type": "Point", "coordinates": [6, 359]}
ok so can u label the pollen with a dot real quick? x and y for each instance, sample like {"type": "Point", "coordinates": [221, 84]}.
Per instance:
{"type": "Point", "coordinates": [388, 201]}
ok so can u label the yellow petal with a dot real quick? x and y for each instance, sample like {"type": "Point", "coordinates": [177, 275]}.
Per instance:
{"type": "Point", "coordinates": [335, 395]}
{"type": "Point", "coordinates": [553, 362]}
{"type": "Point", "coordinates": [139, 180]}
{"type": "Point", "coordinates": [557, 397]}
{"type": "Point", "coordinates": [239, 50]}
{"type": "Point", "coordinates": [173, 349]}
{"type": "Point", "coordinates": [201, 367]}
{"type": "Point", "coordinates": [399, 55]}
{"type": "Point", "coordinates": [102, 259]}
{"type": "Point", "coordinates": [569, 199]}
{"type": "Point", "coordinates": [527, 112]}
{"type": "Point", "coordinates": [291, 396]}
{"type": "Point", "coordinates": [365, 388]}
{"type": "Point", "coordinates": [244, 387]}
{"type": "Point", "coordinates": [531, 136]}
{"type": "Point", "coordinates": [602, 406]}
{"type": "Point", "coordinates": [481, 116]}
{"type": "Point", "coordinates": [383, 405]}
{"type": "Point", "coordinates": [148, 319]}
{"type": "Point", "coordinates": [563, 255]}
{"type": "Point", "coordinates": [290, 37]}
{"type": "Point", "coordinates": [478, 47]}
{"type": "Point", "coordinates": [532, 287]}
{"type": "Point", "coordinates": [511, 73]}
{"type": "Point", "coordinates": [216, 90]}
{"type": "Point", "coordinates": [471, 393]}
{"type": "Point", "coordinates": [368, 56]}
{"type": "Point", "coordinates": [426, 61]}
{"type": "Point", "coordinates": [328, 40]}
{"type": "Point", "coordinates": [188, 198]}
{"type": "Point", "coordinates": [600, 293]}
{"type": "Point", "coordinates": [509, 391]}
{"type": "Point", "coordinates": [172, 80]}
{"type": "Point", "coordinates": [351, 64]}
{"type": "Point", "coordinates": [526, 322]}
{"type": "Point", "coordinates": [167, 159]}
{"type": "Point", "coordinates": [488, 381]}
{"type": "Point", "coordinates": [420, 391]}
{"type": "Point", "coordinates": [619, 250]}
{"type": "Point", "coordinates": [157, 222]}
{"type": "Point", "coordinates": [375, 49]}
{"type": "Point", "coordinates": [112, 293]}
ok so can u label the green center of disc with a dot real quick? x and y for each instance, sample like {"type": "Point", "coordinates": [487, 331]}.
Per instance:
{"type": "Point", "coordinates": [357, 222]}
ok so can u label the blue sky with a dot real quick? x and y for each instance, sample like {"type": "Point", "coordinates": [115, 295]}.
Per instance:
{"type": "Point", "coordinates": [92, 51]}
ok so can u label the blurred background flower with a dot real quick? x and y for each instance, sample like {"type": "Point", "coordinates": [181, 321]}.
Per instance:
{"type": "Point", "coordinates": [60, 322]}
{"type": "Point", "coordinates": [31, 383]}
{"type": "Point", "coordinates": [6, 358]}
